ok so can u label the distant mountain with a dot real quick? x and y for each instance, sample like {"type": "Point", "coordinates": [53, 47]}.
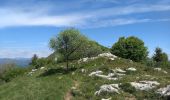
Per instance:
{"type": "Point", "coordinates": [23, 62]}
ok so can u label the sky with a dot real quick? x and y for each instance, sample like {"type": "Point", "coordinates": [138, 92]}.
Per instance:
{"type": "Point", "coordinates": [26, 26]}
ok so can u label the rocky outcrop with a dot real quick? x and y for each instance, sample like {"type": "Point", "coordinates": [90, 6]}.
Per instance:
{"type": "Point", "coordinates": [164, 91]}
{"type": "Point", "coordinates": [111, 88]}
{"type": "Point", "coordinates": [145, 85]}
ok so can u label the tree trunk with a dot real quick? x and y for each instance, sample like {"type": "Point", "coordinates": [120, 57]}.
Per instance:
{"type": "Point", "coordinates": [67, 63]}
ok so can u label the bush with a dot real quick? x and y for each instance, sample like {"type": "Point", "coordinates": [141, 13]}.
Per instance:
{"type": "Point", "coordinates": [130, 48]}
{"type": "Point", "coordinates": [160, 56]}
{"type": "Point", "coordinates": [10, 71]}
{"type": "Point", "coordinates": [127, 87]}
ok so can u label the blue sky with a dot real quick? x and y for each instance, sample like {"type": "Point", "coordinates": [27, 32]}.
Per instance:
{"type": "Point", "coordinates": [27, 25]}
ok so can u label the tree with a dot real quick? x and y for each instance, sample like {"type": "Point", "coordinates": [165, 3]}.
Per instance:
{"type": "Point", "coordinates": [160, 56]}
{"type": "Point", "coordinates": [130, 48]}
{"type": "Point", "coordinates": [34, 60]}
{"type": "Point", "coordinates": [67, 42]}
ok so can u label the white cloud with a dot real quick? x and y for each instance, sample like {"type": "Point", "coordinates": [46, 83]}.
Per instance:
{"type": "Point", "coordinates": [11, 17]}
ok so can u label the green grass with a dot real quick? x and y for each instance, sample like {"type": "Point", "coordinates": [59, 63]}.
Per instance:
{"type": "Point", "coordinates": [53, 83]}
{"type": "Point", "coordinates": [51, 87]}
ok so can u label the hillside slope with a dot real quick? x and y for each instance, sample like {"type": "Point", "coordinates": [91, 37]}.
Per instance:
{"type": "Point", "coordinates": [96, 78]}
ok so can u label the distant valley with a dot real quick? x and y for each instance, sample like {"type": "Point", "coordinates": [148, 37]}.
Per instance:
{"type": "Point", "coordinates": [23, 62]}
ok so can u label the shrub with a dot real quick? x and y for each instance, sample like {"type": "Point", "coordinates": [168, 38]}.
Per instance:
{"type": "Point", "coordinates": [10, 71]}
{"type": "Point", "coordinates": [160, 56]}
{"type": "Point", "coordinates": [130, 48]}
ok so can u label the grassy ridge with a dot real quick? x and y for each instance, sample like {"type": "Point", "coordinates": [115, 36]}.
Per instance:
{"type": "Point", "coordinates": [52, 83]}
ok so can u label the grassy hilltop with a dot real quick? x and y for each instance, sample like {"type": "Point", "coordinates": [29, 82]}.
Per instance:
{"type": "Point", "coordinates": [53, 83]}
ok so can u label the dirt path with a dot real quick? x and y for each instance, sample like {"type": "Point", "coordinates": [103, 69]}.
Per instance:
{"type": "Point", "coordinates": [68, 95]}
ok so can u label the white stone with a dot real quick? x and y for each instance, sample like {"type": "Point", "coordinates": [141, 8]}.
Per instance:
{"type": "Point", "coordinates": [95, 73]}
{"type": "Point", "coordinates": [42, 67]}
{"type": "Point", "coordinates": [158, 69]}
{"type": "Point", "coordinates": [112, 58]}
{"type": "Point", "coordinates": [30, 73]}
{"type": "Point", "coordinates": [111, 88]}
{"type": "Point", "coordinates": [83, 70]}
{"type": "Point", "coordinates": [145, 85]}
{"type": "Point", "coordinates": [33, 70]}
{"type": "Point", "coordinates": [119, 70]}
{"type": "Point", "coordinates": [107, 77]}
{"type": "Point", "coordinates": [164, 91]}
{"type": "Point", "coordinates": [107, 99]}
{"type": "Point", "coordinates": [131, 69]}
{"type": "Point", "coordinates": [108, 55]}
{"type": "Point", "coordinates": [165, 72]}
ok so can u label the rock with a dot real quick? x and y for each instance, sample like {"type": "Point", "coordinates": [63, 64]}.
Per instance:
{"type": "Point", "coordinates": [33, 70]}
{"type": "Point", "coordinates": [131, 69]}
{"type": "Point", "coordinates": [30, 73]}
{"type": "Point", "coordinates": [165, 72]}
{"type": "Point", "coordinates": [73, 73]}
{"type": "Point", "coordinates": [110, 76]}
{"type": "Point", "coordinates": [95, 73]}
{"type": "Point", "coordinates": [112, 58]}
{"type": "Point", "coordinates": [118, 70]}
{"type": "Point", "coordinates": [107, 99]}
{"type": "Point", "coordinates": [42, 67]}
{"type": "Point", "coordinates": [108, 55]}
{"type": "Point", "coordinates": [164, 91]}
{"type": "Point", "coordinates": [148, 75]}
{"type": "Point", "coordinates": [158, 69]}
{"type": "Point", "coordinates": [145, 85]}
{"type": "Point", "coordinates": [83, 70]}
{"type": "Point", "coordinates": [111, 88]}
{"type": "Point", "coordinates": [107, 77]}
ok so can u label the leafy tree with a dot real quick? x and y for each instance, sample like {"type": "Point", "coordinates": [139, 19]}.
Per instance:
{"type": "Point", "coordinates": [34, 60]}
{"type": "Point", "coordinates": [130, 48]}
{"type": "Point", "coordinates": [160, 56]}
{"type": "Point", "coordinates": [67, 42]}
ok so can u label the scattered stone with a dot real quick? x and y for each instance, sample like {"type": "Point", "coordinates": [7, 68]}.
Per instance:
{"type": "Point", "coordinates": [73, 73]}
{"type": "Point", "coordinates": [42, 67]}
{"type": "Point", "coordinates": [158, 69]}
{"type": "Point", "coordinates": [95, 73]}
{"type": "Point", "coordinates": [165, 72]}
{"type": "Point", "coordinates": [33, 70]}
{"type": "Point", "coordinates": [83, 70]}
{"type": "Point", "coordinates": [107, 77]}
{"type": "Point", "coordinates": [118, 70]}
{"type": "Point", "coordinates": [107, 99]}
{"type": "Point", "coordinates": [30, 73]}
{"type": "Point", "coordinates": [108, 55]}
{"type": "Point", "coordinates": [111, 76]}
{"type": "Point", "coordinates": [111, 88]}
{"type": "Point", "coordinates": [145, 85]}
{"type": "Point", "coordinates": [164, 91]}
{"type": "Point", "coordinates": [148, 75]}
{"type": "Point", "coordinates": [131, 69]}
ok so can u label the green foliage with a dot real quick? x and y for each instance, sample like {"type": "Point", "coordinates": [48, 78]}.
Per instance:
{"type": "Point", "coordinates": [67, 42]}
{"type": "Point", "coordinates": [127, 87]}
{"type": "Point", "coordinates": [160, 56]}
{"type": "Point", "coordinates": [34, 60]}
{"type": "Point", "coordinates": [130, 48]}
{"type": "Point", "coordinates": [10, 71]}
